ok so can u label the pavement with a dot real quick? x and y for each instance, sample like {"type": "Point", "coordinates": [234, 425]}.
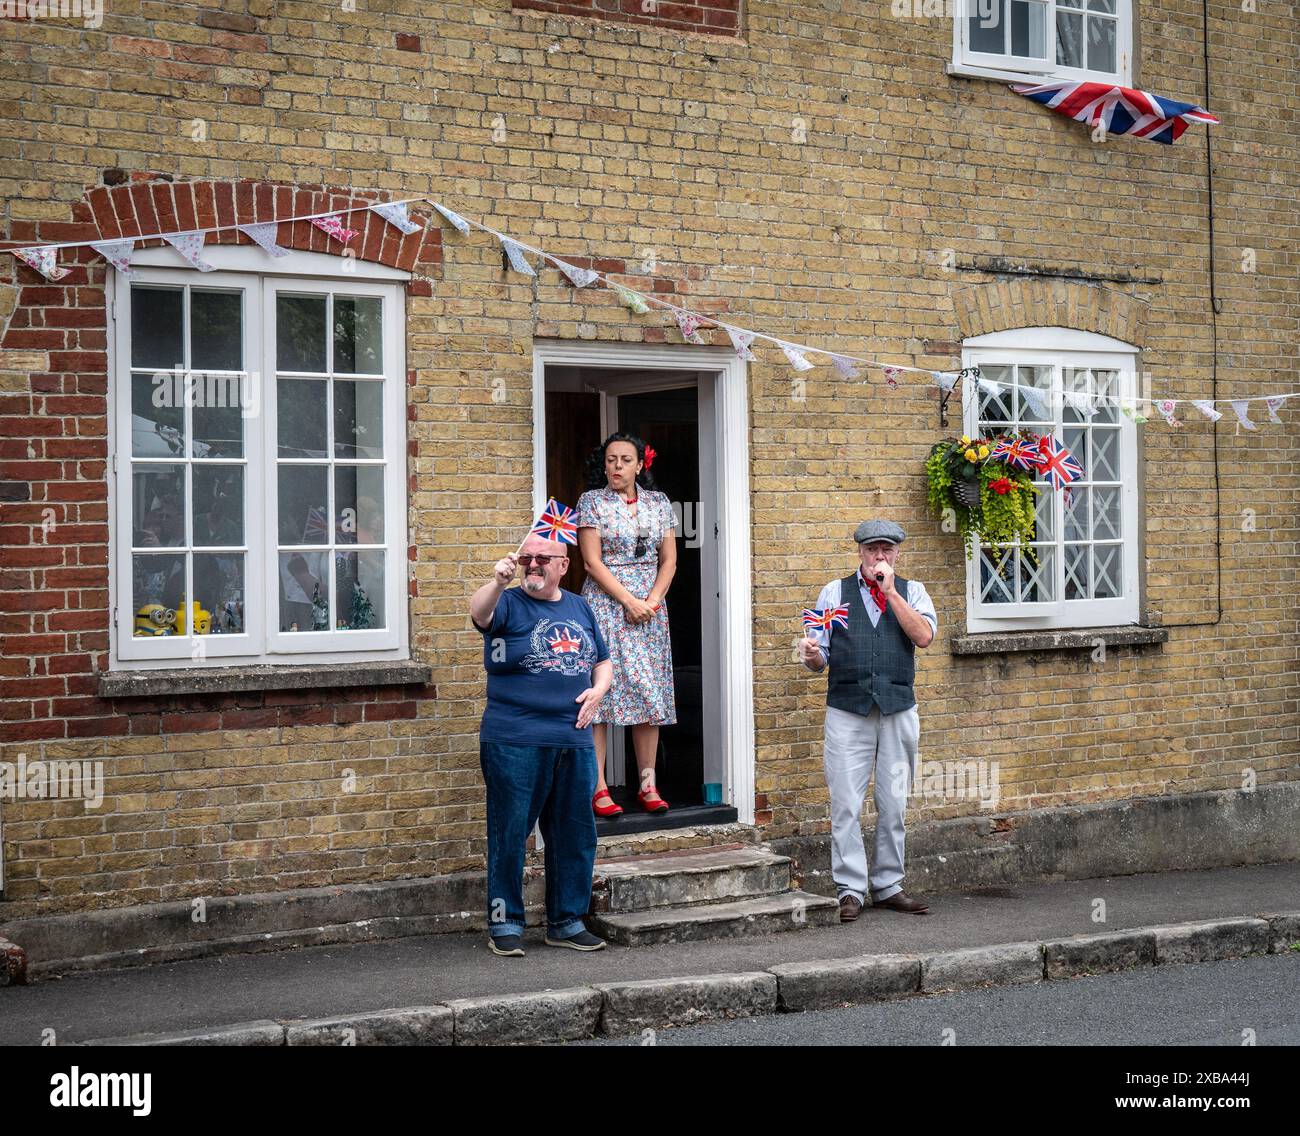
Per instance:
{"type": "Point", "coordinates": [430, 971]}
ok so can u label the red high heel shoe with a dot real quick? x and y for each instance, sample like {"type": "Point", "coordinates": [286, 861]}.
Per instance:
{"type": "Point", "coordinates": [658, 805]}
{"type": "Point", "coordinates": [609, 810]}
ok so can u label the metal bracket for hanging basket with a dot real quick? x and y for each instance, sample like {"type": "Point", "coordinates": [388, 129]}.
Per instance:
{"type": "Point", "coordinates": [974, 373]}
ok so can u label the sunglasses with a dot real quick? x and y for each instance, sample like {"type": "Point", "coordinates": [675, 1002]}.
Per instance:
{"type": "Point", "coordinates": [541, 561]}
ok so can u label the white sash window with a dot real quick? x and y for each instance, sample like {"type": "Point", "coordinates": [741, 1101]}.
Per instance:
{"type": "Point", "coordinates": [1087, 40]}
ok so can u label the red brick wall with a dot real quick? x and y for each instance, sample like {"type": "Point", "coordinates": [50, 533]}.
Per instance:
{"type": "Point", "coordinates": [54, 599]}
{"type": "Point", "coordinates": [711, 17]}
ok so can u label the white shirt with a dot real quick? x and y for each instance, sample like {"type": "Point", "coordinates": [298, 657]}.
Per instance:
{"type": "Point", "coordinates": [917, 597]}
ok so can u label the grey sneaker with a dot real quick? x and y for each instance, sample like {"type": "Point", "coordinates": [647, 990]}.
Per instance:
{"type": "Point", "coordinates": [582, 941]}
{"type": "Point", "coordinates": [507, 945]}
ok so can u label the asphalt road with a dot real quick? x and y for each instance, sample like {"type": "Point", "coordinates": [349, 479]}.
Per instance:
{"type": "Point", "coordinates": [1198, 1004]}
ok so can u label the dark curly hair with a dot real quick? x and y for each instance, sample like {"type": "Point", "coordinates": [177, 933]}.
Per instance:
{"type": "Point", "coordinates": [596, 478]}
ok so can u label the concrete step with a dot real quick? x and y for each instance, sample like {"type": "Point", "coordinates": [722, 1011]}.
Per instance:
{"type": "Point", "coordinates": [764, 915]}
{"type": "Point", "coordinates": [688, 877]}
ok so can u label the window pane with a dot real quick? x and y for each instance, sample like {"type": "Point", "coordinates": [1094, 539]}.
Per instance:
{"type": "Point", "coordinates": [997, 584]}
{"type": "Point", "coordinates": [156, 327]}
{"type": "Point", "coordinates": [1095, 5]}
{"type": "Point", "coordinates": [1029, 29]}
{"type": "Point", "coordinates": [1069, 39]}
{"type": "Point", "coordinates": [304, 504]}
{"type": "Point", "coordinates": [219, 591]}
{"type": "Point", "coordinates": [359, 583]}
{"type": "Point", "coordinates": [157, 415]}
{"type": "Point", "coordinates": [1107, 574]}
{"type": "Point", "coordinates": [216, 331]}
{"type": "Point", "coordinates": [158, 506]}
{"type": "Point", "coordinates": [1104, 464]}
{"type": "Point", "coordinates": [995, 408]}
{"type": "Point", "coordinates": [1105, 513]}
{"type": "Point", "coordinates": [1076, 514]}
{"type": "Point", "coordinates": [1076, 571]}
{"type": "Point", "coordinates": [300, 333]}
{"type": "Point", "coordinates": [359, 504]}
{"type": "Point", "coordinates": [218, 505]}
{"type": "Point", "coordinates": [1037, 406]}
{"type": "Point", "coordinates": [358, 335]}
{"type": "Point", "coordinates": [1105, 385]}
{"type": "Point", "coordinates": [304, 591]}
{"type": "Point", "coordinates": [1075, 395]}
{"type": "Point", "coordinates": [1045, 514]}
{"type": "Point", "coordinates": [358, 419]}
{"type": "Point", "coordinates": [1101, 44]}
{"type": "Point", "coordinates": [217, 415]}
{"type": "Point", "coordinates": [1075, 439]}
{"type": "Point", "coordinates": [1038, 581]}
{"type": "Point", "coordinates": [301, 408]}
{"type": "Point", "coordinates": [157, 584]}
{"type": "Point", "coordinates": [987, 29]}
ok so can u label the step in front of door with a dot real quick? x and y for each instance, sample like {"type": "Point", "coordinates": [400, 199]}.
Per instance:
{"type": "Point", "coordinates": [683, 879]}
{"type": "Point", "coordinates": [762, 915]}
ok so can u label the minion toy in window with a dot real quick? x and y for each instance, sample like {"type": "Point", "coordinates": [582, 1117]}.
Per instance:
{"type": "Point", "coordinates": [154, 619]}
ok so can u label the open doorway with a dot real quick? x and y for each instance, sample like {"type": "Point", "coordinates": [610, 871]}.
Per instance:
{"type": "Point", "coordinates": [676, 410]}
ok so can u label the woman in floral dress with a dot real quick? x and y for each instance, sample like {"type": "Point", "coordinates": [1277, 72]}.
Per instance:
{"type": "Point", "coordinates": [629, 548]}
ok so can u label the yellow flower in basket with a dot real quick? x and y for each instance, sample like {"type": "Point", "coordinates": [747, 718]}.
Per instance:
{"type": "Point", "coordinates": [970, 455]}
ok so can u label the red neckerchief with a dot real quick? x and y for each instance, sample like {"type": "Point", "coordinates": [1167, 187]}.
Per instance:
{"type": "Point", "coordinates": [876, 593]}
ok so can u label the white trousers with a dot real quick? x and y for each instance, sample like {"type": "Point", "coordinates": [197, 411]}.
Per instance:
{"type": "Point", "coordinates": [855, 746]}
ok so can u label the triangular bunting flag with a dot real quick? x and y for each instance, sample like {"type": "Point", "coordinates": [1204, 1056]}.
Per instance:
{"type": "Point", "coordinates": [1133, 413]}
{"type": "Point", "coordinates": [263, 235]}
{"type": "Point", "coordinates": [631, 300]}
{"type": "Point", "coordinates": [1037, 406]}
{"type": "Point", "coordinates": [332, 224]}
{"type": "Point", "coordinates": [741, 340]}
{"type": "Point", "coordinates": [515, 255]}
{"type": "Point", "coordinates": [578, 277]}
{"type": "Point", "coordinates": [891, 377]}
{"type": "Point", "coordinates": [1274, 405]}
{"type": "Point", "coordinates": [1080, 403]}
{"type": "Point", "coordinates": [117, 253]}
{"type": "Point", "coordinates": [989, 387]}
{"type": "Point", "coordinates": [1240, 407]}
{"type": "Point", "coordinates": [944, 381]}
{"type": "Point", "coordinates": [43, 260]}
{"type": "Point", "coordinates": [456, 221]}
{"type": "Point", "coordinates": [1206, 407]}
{"type": "Point", "coordinates": [189, 245]}
{"type": "Point", "coordinates": [796, 357]}
{"type": "Point", "coordinates": [688, 323]}
{"type": "Point", "coordinates": [847, 367]}
{"type": "Point", "coordinates": [1166, 408]}
{"type": "Point", "coordinates": [395, 214]}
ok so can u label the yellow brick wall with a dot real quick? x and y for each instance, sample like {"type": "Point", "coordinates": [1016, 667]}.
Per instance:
{"type": "Point", "coordinates": [818, 179]}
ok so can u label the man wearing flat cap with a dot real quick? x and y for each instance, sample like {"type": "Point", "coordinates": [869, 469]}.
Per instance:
{"type": "Point", "coordinates": [871, 716]}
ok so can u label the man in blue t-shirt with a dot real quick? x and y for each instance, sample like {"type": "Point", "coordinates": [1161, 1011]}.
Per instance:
{"type": "Point", "coordinates": [548, 669]}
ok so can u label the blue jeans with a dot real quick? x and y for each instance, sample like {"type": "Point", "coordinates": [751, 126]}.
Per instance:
{"type": "Point", "coordinates": [553, 785]}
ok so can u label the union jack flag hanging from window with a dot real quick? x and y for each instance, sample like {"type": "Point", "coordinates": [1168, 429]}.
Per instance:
{"type": "Point", "coordinates": [817, 617]}
{"type": "Point", "coordinates": [1121, 110]}
{"type": "Point", "coordinates": [556, 523]}
{"type": "Point", "coordinates": [1057, 464]}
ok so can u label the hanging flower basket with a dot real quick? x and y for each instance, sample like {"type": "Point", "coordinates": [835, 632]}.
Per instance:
{"type": "Point", "coordinates": [988, 501]}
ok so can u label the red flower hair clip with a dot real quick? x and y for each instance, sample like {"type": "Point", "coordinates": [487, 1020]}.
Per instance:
{"type": "Point", "coordinates": [650, 456]}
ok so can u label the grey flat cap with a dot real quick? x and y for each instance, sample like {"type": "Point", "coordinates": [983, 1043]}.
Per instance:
{"type": "Point", "coordinates": [879, 530]}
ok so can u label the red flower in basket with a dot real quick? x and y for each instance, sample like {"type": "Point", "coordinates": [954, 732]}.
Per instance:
{"type": "Point", "coordinates": [650, 456]}
{"type": "Point", "coordinates": [1002, 486]}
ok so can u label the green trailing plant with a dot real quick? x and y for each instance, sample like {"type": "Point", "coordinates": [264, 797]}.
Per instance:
{"type": "Point", "coordinates": [1005, 513]}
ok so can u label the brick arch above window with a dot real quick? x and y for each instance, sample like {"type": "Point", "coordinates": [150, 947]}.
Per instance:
{"type": "Point", "coordinates": [1002, 305]}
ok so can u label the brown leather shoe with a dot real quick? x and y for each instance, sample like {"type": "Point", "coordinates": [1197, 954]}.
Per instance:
{"type": "Point", "coordinates": [850, 908]}
{"type": "Point", "coordinates": [901, 901]}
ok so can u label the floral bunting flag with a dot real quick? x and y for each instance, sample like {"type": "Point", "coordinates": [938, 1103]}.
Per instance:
{"type": "Point", "coordinates": [1274, 405]}
{"type": "Point", "coordinates": [515, 255]}
{"type": "Point", "coordinates": [263, 235]}
{"type": "Point", "coordinates": [189, 245]}
{"type": "Point", "coordinates": [796, 357]}
{"type": "Point", "coordinates": [1206, 407]}
{"type": "Point", "coordinates": [1166, 408]}
{"type": "Point", "coordinates": [741, 341]}
{"type": "Point", "coordinates": [117, 253]}
{"type": "Point", "coordinates": [847, 367]}
{"type": "Point", "coordinates": [43, 260]}
{"type": "Point", "coordinates": [332, 224]}
{"type": "Point", "coordinates": [688, 323]}
{"type": "Point", "coordinates": [578, 277]}
{"type": "Point", "coordinates": [456, 221]}
{"type": "Point", "coordinates": [631, 300]}
{"type": "Point", "coordinates": [1240, 407]}
{"type": "Point", "coordinates": [891, 377]}
{"type": "Point", "coordinates": [395, 214]}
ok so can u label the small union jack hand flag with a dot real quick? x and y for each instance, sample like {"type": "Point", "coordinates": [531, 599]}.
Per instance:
{"type": "Point", "coordinates": [556, 523]}
{"type": "Point", "coordinates": [1017, 453]}
{"type": "Point", "coordinates": [1058, 465]}
{"type": "Point", "coordinates": [824, 619]}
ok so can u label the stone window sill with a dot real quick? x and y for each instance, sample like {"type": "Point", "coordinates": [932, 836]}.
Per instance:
{"type": "Point", "coordinates": [230, 680]}
{"type": "Point", "coordinates": [1073, 639]}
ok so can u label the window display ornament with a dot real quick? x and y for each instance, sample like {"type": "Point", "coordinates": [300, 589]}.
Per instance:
{"type": "Point", "coordinates": [320, 611]}
{"type": "Point", "coordinates": [362, 609]}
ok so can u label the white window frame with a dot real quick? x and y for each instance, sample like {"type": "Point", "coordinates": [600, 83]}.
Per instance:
{"type": "Point", "coordinates": [262, 642]}
{"type": "Point", "coordinates": [1019, 69]}
{"type": "Point", "coordinates": [1061, 348]}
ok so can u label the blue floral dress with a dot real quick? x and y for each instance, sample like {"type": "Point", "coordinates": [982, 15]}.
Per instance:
{"type": "Point", "coordinates": [641, 653]}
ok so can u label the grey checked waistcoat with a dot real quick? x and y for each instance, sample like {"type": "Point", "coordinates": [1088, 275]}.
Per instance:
{"type": "Point", "coordinates": [870, 665]}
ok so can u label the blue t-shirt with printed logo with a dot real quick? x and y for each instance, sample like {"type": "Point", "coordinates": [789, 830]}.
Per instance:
{"type": "Point", "coordinates": [539, 655]}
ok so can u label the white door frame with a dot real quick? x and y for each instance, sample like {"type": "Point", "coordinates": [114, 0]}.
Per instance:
{"type": "Point", "coordinates": [731, 445]}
